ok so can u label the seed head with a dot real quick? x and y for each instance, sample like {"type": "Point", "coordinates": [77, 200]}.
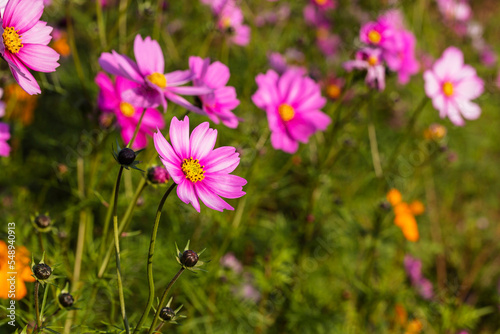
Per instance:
{"type": "Point", "coordinates": [66, 300]}
{"type": "Point", "coordinates": [189, 258]}
{"type": "Point", "coordinates": [126, 156]}
{"type": "Point", "coordinates": [42, 271]}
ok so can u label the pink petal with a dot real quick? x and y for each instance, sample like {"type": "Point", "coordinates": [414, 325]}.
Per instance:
{"type": "Point", "coordinates": [225, 185]}
{"type": "Point", "coordinates": [450, 63]}
{"type": "Point", "coordinates": [178, 78]}
{"type": "Point", "coordinates": [202, 141]}
{"type": "Point", "coordinates": [470, 88]}
{"type": "Point", "coordinates": [187, 194]}
{"type": "Point", "coordinates": [468, 109]}
{"type": "Point", "coordinates": [432, 85]}
{"type": "Point", "coordinates": [148, 55]}
{"type": "Point", "coordinates": [190, 90]}
{"type": "Point", "coordinates": [108, 98]}
{"type": "Point", "coordinates": [281, 141]}
{"type": "Point", "coordinates": [25, 79]}
{"type": "Point", "coordinates": [184, 103]}
{"type": "Point", "coordinates": [221, 160]}
{"type": "Point", "coordinates": [120, 65]}
{"type": "Point", "coordinates": [22, 14]}
{"type": "Point", "coordinates": [198, 66]}
{"type": "Point", "coordinates": [210, 199]}
{"type": "Point", "coordinates": [217, 75]}
{"type": "Point", "coordinates": [38, 34]}
{"type": "Point", "coordinates": [39, 58]}
{"type": "Point", "coordinates": [143, 97]}
{"type": "Point", "coordinates": [179, 136]}
{"type": "Point", "coordinates": [454, 114]}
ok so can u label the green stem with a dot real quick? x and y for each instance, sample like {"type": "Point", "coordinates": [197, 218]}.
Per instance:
{"type": "Point", "coordinates": [45, 292]}
{"type": "Point", "coordinates": [123, 224]}
{"type": "Point", "coordinates": [37, 311]}
{"type": "Point", "coordinates": [164, 298]}
{"type": "Point", "coordinates": [138, 126]}
{"type": "Point", "coordinates": [117, 249]}
{"type": "Point", "coordinates": [41, 241]}
{"type": "Point", "coordinates": [100, 24]}
{"type": "Point", "coordinates": [122, 24]}
{"type": "Point", "coordinates": [150, 259]}
{"type": "Point", "coordinates": [374, 150]}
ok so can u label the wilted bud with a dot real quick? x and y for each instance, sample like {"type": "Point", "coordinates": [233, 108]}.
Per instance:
{"type": "Point", "coordinates": [42, 271]}
{"type": "Point", "coordinates": [189, 258]}
{"type": "Point", "coordinates": [167, 313]}
{"type": "Point", "coordinates": [66, 300]}
{"type": "Point", "coordinates": [126, 156]}
{"type": "Point", "coordinates": [158, 175]}
{"type": "Point", "coordinates": [42, 221]}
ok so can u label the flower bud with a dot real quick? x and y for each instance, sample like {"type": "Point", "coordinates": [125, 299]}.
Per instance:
{"type": "Point", "coordinates": [66, 300]}
{"type": "Point", "coordinates": [42, 221]}
{"type": "Point", "coordinates": [158, 175]}
{"type": "Point", "coordinates": [126, 156]}
{"type": "Point", "coordinates": [167, 313]}
{"type": "Point", "coordinates": [42, 271]}
{"type": "Point", "coordinates": [189, 258]}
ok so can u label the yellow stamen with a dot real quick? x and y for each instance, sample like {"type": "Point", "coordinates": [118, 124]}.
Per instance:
{"type": "Point", "coordinates": [333, 91]}
{"type": "Point", "coordinates": [12, 40]}
{"type": "Point", "coordinates": [226, 22]}
{"type": "Point", "coordinates": [193, 170]}
{"type": "Point", "coordinates": [127, 109]}
{"type": "Point", "coordinates": [286, 112]}
{"type": "Point", "coordinates": [448, 88]}
{"type": "Point", "coordinates": [374, 37]}
{"type": "Point", "coordinates": [157, 79]}
{"type": "Point", "coordinates": [372, 60]}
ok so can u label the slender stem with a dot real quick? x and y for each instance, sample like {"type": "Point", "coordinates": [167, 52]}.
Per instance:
{"type": "Point", "coordinates": [41, 241]}
{"type": "Point", "coordinates": [122, 24]}
{"type": "Point", "coordinates": [123, 225]}
{"type": "Point", "coordinates": [138, 126]}
{"type": "Point", "coordinates": [100, 24]}
{"type": "Point", "coordinates": [117, 249]}
{"type": "Point", "coordinates": [164, 298]}
{"type": "Point", "coordinates": [150, 259]}
{"type": "Point", "coordinates": [37, 310]}
{"type": "Point", "coordinates": [374, 150]}
{"type": "Point", "coordinates": [159, 327]}
{"type": "Point", "coordinates": [44, 300]}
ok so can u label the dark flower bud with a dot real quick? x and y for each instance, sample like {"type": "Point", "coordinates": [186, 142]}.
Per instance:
{"type": "Point", "coordinates": [42, 271]}
{"type": "Point", "coordinates": [42, 221]}
{"type": "Point", "coordinates": [158, 175]}
{"type": "Point", "coordinates": [66, 299]}
{"type": "Point", "coordinates": [126, 156]}
{"type": "Point", "coordinates": [189, 258]}
{"type": "Point", "coordinates": [167, 313]}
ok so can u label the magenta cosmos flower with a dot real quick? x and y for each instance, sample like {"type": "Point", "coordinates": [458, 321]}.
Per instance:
{"type": "Point", "coordinates": [154, 86]}
{"type": "Point", "coordinates": [219, 104]}
{"type": "Point", "coordinates": [127, 115]}
{"type": "Point", "coordinates": [370, 60]}
{"type": "Point", "coordinates": [451, 85]}
{"type": "Point", "coordinates": [25, 40]}
{"type": "Point", "coordinates": [292, 103]}
{"type": "Point", "coordinates": [200, 171]}
{"type": "Point", "coordinates": [230, 20]}
{"type": "Point", "coordinates": [4, 136]}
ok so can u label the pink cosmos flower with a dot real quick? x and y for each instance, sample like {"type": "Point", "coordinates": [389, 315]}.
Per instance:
{"type": "Point", "coordinates": [127, 116]}
{"type": "Point", "coordinates": [455, 9]}
{"type": "Point", "coordinates": [327, 43]}
{"type": "Point", "coordinates": [4, 136]}
{"type": "Point", "coordinates": [154, 87]}
{"type": "Point", "coordinates": [230, 20]}
{"type": "Point", "coordinates": [219, 104]}
{"type": "Point", "coordinates": [25, 40]}
{"type": "Point", "coordinates": [292, 103]}
{"type": "Point", "coordinates": [280, 63]}
{"type": "Point", "coordinates": [451, 85]}
{"type": "Point", "coordinates": [200, 171]}
{"type": "Point", "coordinates": [370, 60]}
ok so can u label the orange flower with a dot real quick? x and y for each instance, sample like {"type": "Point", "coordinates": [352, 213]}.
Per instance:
{"type": "Point", "coordinates": [404, 219]}
{"type": "Point", "coordinates": [402, 208]}
{"type": "Point", "coordinates": [410, 230]}
{"type": "Point", "coordinates": [401, 314]}
{"type": "Point", "coordinates": [417, 208]}
{"type": "Point", "coordinates": [394, 197]}
{"type": "Point", "coordinates": [60, 44]}
{"type": "Point", "coordinates": [414, 327]}
{"type": "Point", "coordinates": [435, 132]}
{"type": "Point", "coordinates": [20, 105]}
{"type": "Point", "coordinates": [20, 274]}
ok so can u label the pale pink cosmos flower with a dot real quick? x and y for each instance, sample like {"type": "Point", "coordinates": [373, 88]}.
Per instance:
{"type": "Point", "coordinates": [25, 40]}
{"type": "Point", "coordinates": [199, 171]}
{"type": "Point", "coordinates": [219, 104]}
{"type": "Point", "coordinates": [455, 9]}
{"type": "Point", "coordinates": [370, 60]}
{"type": "Point", "coordinates": [451, 85]}
{"type": "Point", "coordinates": [292, 103]}
{"type": "Point", "coordinates": [155, 87]}
{"type": "Point", "coordinates": [127, 115]}
{"type": "Point", "coordinates": [230, 20]}
{"type": "Point", "coordinates": [4, 136]}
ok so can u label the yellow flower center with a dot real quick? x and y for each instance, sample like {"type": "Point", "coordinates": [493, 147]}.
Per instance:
{"type": "Point", "coordinates": [193, 170]}
{"type": "Point", "coordinates": [225, 22]}
{"type": "Point", "coordinates": [12, 40]}
{"type": "Point", "coordinates": [374, 37]}
{"type": "Point", "coordinates": [157, 79]}
{"type": "Point", "coordinates": [333, 91]}
{"type": "Point", "coordinates": [127, 109]}
{"type": "Point", "coordinates": [286, 112]}
{"type": "Point", "coordinates": [448, 88]}
{"type": "Point", "coordinates": [372, 60]}
{"type": "Point", "coordinates": [322, 33]}
{"type": "Point", "coordinates": [320, 2]}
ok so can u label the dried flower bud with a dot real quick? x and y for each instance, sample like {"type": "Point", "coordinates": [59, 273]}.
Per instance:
{"type": "Point", "coordinates": [189, 258]}
{"type": "Point", "coordinates": [42, 271]}
{"type": "Point", "coordinates": [66, 300]}
{"type": "Point", "coordinates": [158, 175]}
{"type": "Point", "coordinates": [126, 156]}
{"type": "Point", "coordinates": [42, 221]}
{"type": "Point", "coordinates": [167, 313]}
